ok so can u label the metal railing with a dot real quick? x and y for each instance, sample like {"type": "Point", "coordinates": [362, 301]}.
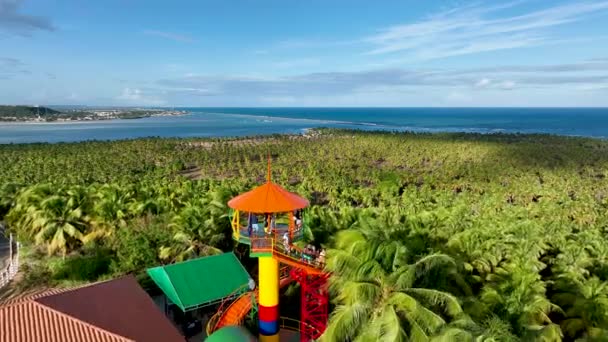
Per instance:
{"type": "Point", "coordinates": [292, 324]}
{"type": "Point", "coordinates": [289, 324]}
{"type": "Point", "coordinates": [262, 245]}
{"type": "Point", "coordinates": [240, 228]}
{"type": "Point", "coordinates": [7, 273]}
{"type": "Point", "coordinates": [295, 254]}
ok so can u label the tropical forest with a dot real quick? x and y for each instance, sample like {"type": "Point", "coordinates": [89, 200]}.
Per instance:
{"type": "Point", "coordinates": [429, 237]}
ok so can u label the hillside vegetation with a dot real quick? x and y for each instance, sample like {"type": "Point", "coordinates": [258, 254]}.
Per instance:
{"type": "Point", "coordinates": [44, 114]}
{"type": "Point", "coordinates": [441, 237]}
{"type": "Point", "coordinates": [25, 112]}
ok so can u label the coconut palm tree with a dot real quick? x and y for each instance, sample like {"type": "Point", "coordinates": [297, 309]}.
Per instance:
{"type": "Point", "coordinates": [112, 204]}
{"type": "Point", "coordinates": [58, 223]}
{"type": "Point", "coordinates": [26, 203]}
{"type": "Point", "coordinates": [377, 292]}
{"type": "Point", "coordinates": [585, 303]}
{"type": "Point", "coordinates": [516, 293]}
{"type": "Point", "coordinates": [8, 196]}
{"type": "Point", "coordinates": [201, 228]}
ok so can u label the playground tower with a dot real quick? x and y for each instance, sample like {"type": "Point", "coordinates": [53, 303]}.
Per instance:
{"type": "Point", "coordinates": [268, 241]}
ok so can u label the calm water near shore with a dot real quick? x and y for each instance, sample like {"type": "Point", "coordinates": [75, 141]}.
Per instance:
{"type": "Point", "coordinates": [216, 122]}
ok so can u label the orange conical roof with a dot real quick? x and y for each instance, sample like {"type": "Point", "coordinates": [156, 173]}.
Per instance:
{"type": "Point", "coordinates": [268, 198]}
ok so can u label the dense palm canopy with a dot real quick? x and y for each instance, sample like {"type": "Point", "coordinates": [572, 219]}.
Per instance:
{"type": "Point", "coordinates": [380, 292]}
{"type": "Point", "coordinates": [440, 237]}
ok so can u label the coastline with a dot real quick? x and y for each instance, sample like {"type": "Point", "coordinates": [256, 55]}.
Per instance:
{"type": "Point", "coordinates": [314, 133]}
{"type": "Point", "coordinates": [235, 123]}
{"type": "Point", "coordinates": [89, 120]}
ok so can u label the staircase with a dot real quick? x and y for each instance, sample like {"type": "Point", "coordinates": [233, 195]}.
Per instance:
{"type": "Point", "coordinates": [235, 313]}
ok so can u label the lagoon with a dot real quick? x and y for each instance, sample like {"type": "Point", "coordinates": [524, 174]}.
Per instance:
{"type": "Point", "coordinates": [232, 122]}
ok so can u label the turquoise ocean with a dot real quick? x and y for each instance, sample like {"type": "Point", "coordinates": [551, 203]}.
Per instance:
{"type": "Point", "coordinates": [232, 122]}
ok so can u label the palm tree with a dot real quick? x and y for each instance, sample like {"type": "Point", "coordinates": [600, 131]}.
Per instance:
{"type": "Point", "coordinates": [58, 223]}
{"type": "Point", "coordinates": [585, 303]}
{"type": "Point", "coordinates": [377, 292]}
{"type": "Point", "coordinates": [8, 196]}
{"type": "Point", "coordinates": [112, 205]}
{"type": "Point", "coordinates": [26, 203]}
{"type": "Point", "coordinates": [200, 229]}
{"type": "Point", "coordinates": [516, 293]}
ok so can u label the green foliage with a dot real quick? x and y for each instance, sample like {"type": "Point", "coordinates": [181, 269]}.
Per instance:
{"type": "Point", "coordinates": [137, 245]}
{"type": "Point", "coordinates": [88, 267]}
{"type": "Point", "coordinates": [25, 112]}
{"type": "Point", "coordinates": [490, 237]}
{"type": "Point", "coordinates": [377, 283]}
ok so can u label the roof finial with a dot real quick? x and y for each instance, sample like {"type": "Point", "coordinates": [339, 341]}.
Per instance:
{"type": "Point", "coordinates": [268, 175]}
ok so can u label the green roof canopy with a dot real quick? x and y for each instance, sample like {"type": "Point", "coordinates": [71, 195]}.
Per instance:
{"type": "Point", "coordinates": [231, 333]}
{"type": "Point", "coordinates": [200, 282]}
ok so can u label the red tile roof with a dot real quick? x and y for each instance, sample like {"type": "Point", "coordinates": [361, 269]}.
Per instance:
{"type": "Point", "coordinates": [33, 322]}
{"type": "Point", "coordinates": [36, 293]}
{"type": "Point", "coordinates": [113, 311]}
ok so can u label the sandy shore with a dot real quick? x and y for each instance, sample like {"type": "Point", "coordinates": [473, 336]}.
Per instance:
{"type": "Point", "coordinates": [33, 122]}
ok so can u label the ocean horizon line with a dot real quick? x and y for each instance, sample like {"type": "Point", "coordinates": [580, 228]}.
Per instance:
{"type": "Point", "coordinates": [249, 121]}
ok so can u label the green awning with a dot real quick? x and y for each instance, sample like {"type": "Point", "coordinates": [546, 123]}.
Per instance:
{"type": "Point", "coordinates": [200, 282]}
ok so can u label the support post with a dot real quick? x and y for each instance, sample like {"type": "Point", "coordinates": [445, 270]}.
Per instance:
{"type": "Point", "coordinates": [291, 226]}
{"type": "Point", "coordinates": [269, 299]}
{"type": "Point", "coordinates": [314, 304]}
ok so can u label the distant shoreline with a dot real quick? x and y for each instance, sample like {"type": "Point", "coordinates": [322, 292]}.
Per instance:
{"type": "Point", "coordinates": [7, 116]}
{"type": "Point", "coordinates": [225, 123]}
{"type": "Point", "coordinates": [79, 121]}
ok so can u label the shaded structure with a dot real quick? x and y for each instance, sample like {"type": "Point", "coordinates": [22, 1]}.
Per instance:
{"type": "Point", "coordinates": [115, 311]}
{"type": "Point", "coordinates": [276, 205]}
{"type": "Point", "coordinates": [197, 283]}
{"type": "Point", "coordinates": [273, 244]}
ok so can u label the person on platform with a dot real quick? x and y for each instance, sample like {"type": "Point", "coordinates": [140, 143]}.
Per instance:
{"type": "Point", "coordinates": [286, 242]}
{"type": "Point", "coordinates": [321, 258]}
{"type": "Point", "coordinates": [305, 252]}
{"type": "Point", "coordinates": [254, 224]}
{"type": "Point", "coordinates": [249, 224]}
{"type": "Point", "coordinates": [297, 219]}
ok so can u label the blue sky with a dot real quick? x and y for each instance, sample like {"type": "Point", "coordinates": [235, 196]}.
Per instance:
{"type": "Point", "coordinates": [304, 53]}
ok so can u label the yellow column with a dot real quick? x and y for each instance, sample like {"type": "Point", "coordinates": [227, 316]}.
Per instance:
{"type": "Point", "coordinates": [269, 299]}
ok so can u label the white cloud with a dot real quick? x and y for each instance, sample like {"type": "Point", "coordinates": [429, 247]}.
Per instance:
{"type": "Point", "coordinates": [486, 83]}
{"type": "Point", "coordinates": [136, 96]}
{"type": "Point", "coordinates": [482, 83]}
{"type": "Point", "coordinates": [395, 86]}
{"type": "Point", "coordinates": [380, 80]}
{"type": "Point", "coordinates": [593, 87]}
{"type": "Point", "coordinates": [507, 85]}
{"type": "Point", "coordinates": [475, 29]}
{"type": "Point", "coordinates": [170, 35]}
{"type": "Point", "coordinates": [130, 94]}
